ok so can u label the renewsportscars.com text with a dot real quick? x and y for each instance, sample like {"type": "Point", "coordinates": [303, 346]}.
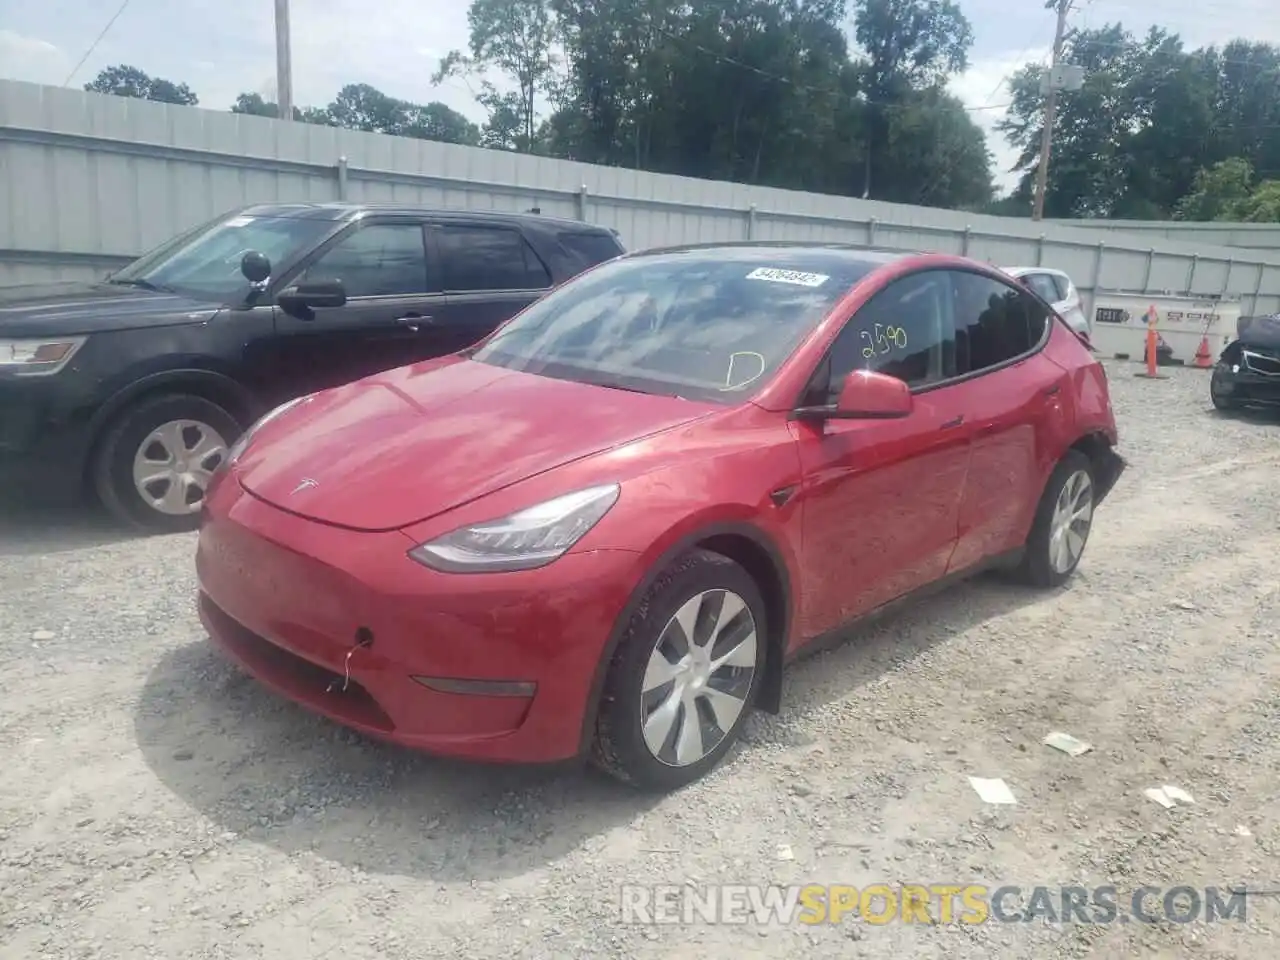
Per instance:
{"type": "Point", "coordinates": [813, 904]}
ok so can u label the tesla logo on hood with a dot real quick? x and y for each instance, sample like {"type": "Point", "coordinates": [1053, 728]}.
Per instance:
{"type": "Point", "coordinates": [306, 484]}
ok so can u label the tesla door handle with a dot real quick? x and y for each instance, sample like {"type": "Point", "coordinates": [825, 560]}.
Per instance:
{"type": "Point", "coordinates": [953, 423]}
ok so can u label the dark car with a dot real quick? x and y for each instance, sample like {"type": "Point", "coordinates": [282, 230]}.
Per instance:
{"type": "Point", "coordinates": [1248, 369]}
{"type": "Point", "coordinates": [135, 386]}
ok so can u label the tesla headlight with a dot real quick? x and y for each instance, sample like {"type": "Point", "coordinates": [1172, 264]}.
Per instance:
{"type": "Point", "coordinates": [520, 541]}
{"type": "Point", "coordinates": [241, 445]}
{"type": "Point", "coordinates": [36, 357]}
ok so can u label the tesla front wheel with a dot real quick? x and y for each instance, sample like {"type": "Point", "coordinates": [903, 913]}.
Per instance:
{"type": "Point", "coordinates": [684, 675]}
{"type": "Point", "coordinates": [1062, 524]}
{"type": "Point", "coordinates": [155, 463]}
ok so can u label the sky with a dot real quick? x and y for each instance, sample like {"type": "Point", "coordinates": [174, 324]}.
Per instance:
{"type": "Point", "coordinates": [224, 47]}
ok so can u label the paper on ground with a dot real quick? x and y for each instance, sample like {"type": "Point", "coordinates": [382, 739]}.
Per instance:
{"type": "Point", "coordinates": [1177, 794]}
{"type": "Point", "coordinates": [992, 791]}
{"type": "Point", "coordinates": [1067, 743]}
{"type": "Point", "coordinates": [1168, 796]}
{"type": "Point", "coordinates": [1158, 795]}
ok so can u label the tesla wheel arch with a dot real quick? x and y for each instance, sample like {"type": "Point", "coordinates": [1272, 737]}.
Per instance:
{"type": "Point", "coordinates": [685, 674]}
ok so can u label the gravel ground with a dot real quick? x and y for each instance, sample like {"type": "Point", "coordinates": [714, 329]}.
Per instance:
{"type": "Point", "coordinates": [158, 804]}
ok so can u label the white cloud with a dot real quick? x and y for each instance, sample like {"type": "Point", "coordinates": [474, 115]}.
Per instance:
{"type": "Point", "coordinates": [29, 58]}
{"type": "Point", "coordinates": [984, 88]}
{"type": "Point", "coordinates": [222, 48]}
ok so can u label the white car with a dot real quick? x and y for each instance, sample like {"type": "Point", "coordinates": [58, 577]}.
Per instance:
{"type": "Point", "coordinates": [1055, 287]}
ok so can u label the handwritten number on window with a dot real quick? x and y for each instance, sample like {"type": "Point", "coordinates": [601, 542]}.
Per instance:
{"type": "Point", "coordinates": [883, 340]}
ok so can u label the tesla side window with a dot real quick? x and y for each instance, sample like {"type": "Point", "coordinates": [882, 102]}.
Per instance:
{"type": "Point", "coordinates": [903, 331]}
{"type": "Point", "coordinates": [995, 322]}
{"type": "Point", "coordinates": [380, 260]}
{"type": "Point", "coordinates": [701, 326]}
{"type": "Point", "coordinates": [489, 258]}
{"type": "Point", "coordinates": [1063, 286]}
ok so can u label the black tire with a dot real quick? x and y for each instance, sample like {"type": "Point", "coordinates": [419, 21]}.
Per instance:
{"type": "Point", "coordinates": [1036, 568]}
{"type": "Point", "coordinates": [619, 746]}
{"type": "Point", "coordinates": [1221, 401]}
{"type": "Point", "coordinates": [112, 467]}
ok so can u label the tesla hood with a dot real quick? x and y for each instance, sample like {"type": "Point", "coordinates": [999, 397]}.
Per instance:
{"type": "Point", "coordinates": [404, 446]}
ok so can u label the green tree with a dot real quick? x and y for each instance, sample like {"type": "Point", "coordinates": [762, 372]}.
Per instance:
{"type": "Point", "coordinates": [1217, 191]}
{"type": "Point", "coordinates": [126, 81]}
{"type": "Point", "coordinates": [359, 106]}
{"type": "Point", "coordinates": [1227, 191]}
{"type": "Point", "coordinates": [255, 105]}
{"type": "Point", "coordinates": [1150, 116]}
{"type": "Point", "coordinates": [516, 38]}
{"type": "Point", "coordinates": [908, 45]}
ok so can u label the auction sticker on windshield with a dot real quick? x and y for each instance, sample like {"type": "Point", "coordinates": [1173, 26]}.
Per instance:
{"type": "Point", "coordinates": [774, 275]}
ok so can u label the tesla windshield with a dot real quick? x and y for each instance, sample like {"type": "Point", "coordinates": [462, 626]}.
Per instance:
{"type": "Point", "coordinates": [205, 262]}
{"type": "Point", "coordinates": [707, 325]}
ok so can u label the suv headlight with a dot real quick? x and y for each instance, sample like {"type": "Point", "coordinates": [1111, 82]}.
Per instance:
{"type": "Point", "coordinates": [524, 540]}
{"type": "Point", "coordinates": [38, 357]}
{"type": "Point", "coordinates": [242, 444]}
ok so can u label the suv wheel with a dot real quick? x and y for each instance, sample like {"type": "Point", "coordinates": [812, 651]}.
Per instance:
{"type": "Point", "coordinates": [684, 676]}
{"type": "Point", "coordinates": [155, 462]}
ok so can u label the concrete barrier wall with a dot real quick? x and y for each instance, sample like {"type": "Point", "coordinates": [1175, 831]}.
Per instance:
{"type": "Point", "coordinates": [90, 181]}
{"type": "Point", "coordinates": [1263, 237]}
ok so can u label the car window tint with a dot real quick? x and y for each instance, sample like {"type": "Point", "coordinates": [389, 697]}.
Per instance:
{"type": "Point", "coordinates": [903, 331]}
{"type": "Point", "coordinates": [994, 321]}
{"type": "Point", "coordinates": [1062, 285]}
{"type": "Point", "coordinates": [1043, 285]}
{"type": "Point", "coordinates": [592, 247]}
{"type": "Point", "coordinates": [379, 260]}
{"type": "Point", "coordinates": [489, 258]}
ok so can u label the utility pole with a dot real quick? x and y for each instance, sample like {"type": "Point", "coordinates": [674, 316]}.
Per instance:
{"type": "Point", "coordinates": [284, 62]}
{"type": "Point", "coordinates": [1050, 105]}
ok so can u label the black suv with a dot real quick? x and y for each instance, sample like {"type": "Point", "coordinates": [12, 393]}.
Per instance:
{"type": "Point", "coordinates": [135, 386]}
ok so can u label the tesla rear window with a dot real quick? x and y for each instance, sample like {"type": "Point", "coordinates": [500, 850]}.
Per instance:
{"type": "Point", "coordinates": [703, 325]}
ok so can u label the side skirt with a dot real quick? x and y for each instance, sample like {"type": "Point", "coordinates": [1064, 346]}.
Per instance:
{"type": "Point", "coordinates": [838, 635]}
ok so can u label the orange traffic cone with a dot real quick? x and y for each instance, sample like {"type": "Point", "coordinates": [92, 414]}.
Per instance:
{"type": "Point", "coordinates": [1153, 345]}
{"type": "Point", "coordinates": [1204, 359]}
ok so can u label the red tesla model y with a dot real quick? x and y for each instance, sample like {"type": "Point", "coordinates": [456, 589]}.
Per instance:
{"type": "Point", "coordinates": [605, 530]}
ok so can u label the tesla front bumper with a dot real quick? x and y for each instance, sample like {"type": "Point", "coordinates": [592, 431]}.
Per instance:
{"type": "Point", "coordinates": [494, 667]}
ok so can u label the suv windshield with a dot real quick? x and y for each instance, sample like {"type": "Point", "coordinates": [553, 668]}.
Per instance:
{"type": "Point", "coordinates": [706, 325]}
{"type": "Point", "coordinates": [205, 262]}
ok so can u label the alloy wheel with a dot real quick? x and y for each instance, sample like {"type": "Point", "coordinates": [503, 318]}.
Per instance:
{"type": "Point", "coordinates": [1072, 518]}
{"type": "Point", "coordinates": [698, 677]}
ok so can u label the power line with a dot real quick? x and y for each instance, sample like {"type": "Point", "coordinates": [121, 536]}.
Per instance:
{"type": "Point", "coordinates": [94, 46]}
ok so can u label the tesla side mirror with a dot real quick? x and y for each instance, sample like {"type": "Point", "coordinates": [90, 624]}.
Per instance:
{"type": "Point", "coordinates": [312, 296]}
{"type": "Point", "coordinates": [866, 395]}
{"type": "Point", "coordinates": [873, 396]}
{"type": "Point", "coordinates": [255, 266]}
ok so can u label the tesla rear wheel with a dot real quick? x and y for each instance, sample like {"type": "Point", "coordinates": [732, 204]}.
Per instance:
{"type": "Point", "coordinates": [154, 465]}
{"type": "Point", "coordinates": [684, 676]}
{"type": "Point", "coordinates": [1062, 524]}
